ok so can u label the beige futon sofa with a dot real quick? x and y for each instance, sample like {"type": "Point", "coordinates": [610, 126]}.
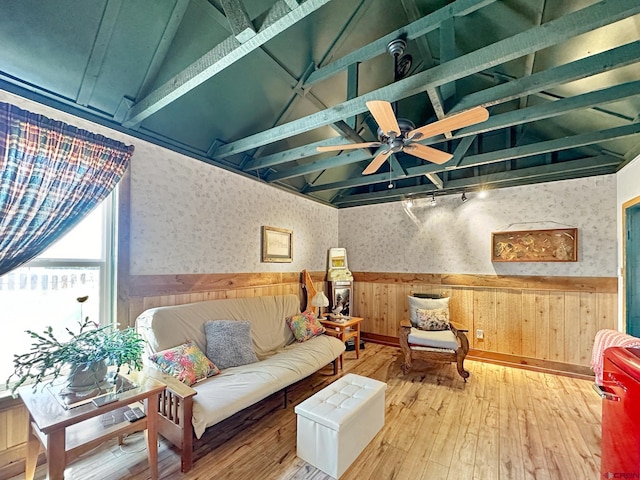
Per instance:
{"type": "Point", "coordinates": [187, 411]}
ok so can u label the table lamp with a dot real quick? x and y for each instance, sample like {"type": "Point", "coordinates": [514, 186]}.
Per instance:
{"type": "Point", "coordinates": [320, 300]}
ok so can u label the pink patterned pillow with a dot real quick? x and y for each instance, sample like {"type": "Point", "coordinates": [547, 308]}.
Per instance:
{"type": "Point", "coordinates": [186, 362]}
{"type": "Point", "coordinates": [433, 320]}
{"type": "Point", "coordinates": [305, 326]}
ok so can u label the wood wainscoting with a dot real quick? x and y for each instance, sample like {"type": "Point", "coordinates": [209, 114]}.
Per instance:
{"type": "Point", "coordinates": [149, 291]}
{"type": "Point", "coordinates": [542, 322]}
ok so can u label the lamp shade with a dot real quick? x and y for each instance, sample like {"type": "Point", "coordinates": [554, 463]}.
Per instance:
{"type": "Point", "coordinates": [320, 300]}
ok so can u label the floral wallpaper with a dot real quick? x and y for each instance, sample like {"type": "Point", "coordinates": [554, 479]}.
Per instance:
{"type": "Point", "coordinates": [190, 217]}
{"type": "Point", "coordinates": [455, 237]}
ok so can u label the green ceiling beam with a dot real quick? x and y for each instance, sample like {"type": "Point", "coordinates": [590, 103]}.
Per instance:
{"type": "Point", "coordinates": [412, 31]}
{"type": "Point", "coordinates": [229, 51]}
{"type": "Point", "coordinates": [175, 19]}
{"type": "Point", "coordinates": [539, 148]}
{"type": "Point", "coordinates": [534, 39]}
{"type": "Point", "coordinates": [588, 166]}
{"type": "Point", "coordinates": [239, 21]}
{"type": "Point", "coordinates": [601, 62]}
{"type": "Point", "coordinates": [319, 165]}
{"type": "Point", "coordinates": [496, 122]}
{"type": "Point", "coordinates": [494, 157]}
{"type": "Point", "coordinates": [98, 51]}
{"type": "Point", "coordinates": [614, 58]}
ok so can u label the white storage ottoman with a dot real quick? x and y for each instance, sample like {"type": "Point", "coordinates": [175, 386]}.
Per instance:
{"type": "Point", "coordinates": [336, 423]}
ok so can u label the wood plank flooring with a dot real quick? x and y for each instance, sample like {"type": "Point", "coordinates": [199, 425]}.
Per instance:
{"type": "Point", "coordinates": [505, 423]}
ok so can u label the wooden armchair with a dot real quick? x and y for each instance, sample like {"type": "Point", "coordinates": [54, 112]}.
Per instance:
{"type": "Point", "coordinates": [449, 345]}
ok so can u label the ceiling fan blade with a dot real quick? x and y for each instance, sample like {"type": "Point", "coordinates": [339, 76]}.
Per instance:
{"type": "Point", "coordinates": [454, 122]}
{"type": "Point", "coordinates": [385, 118]}
{"type": "Point", "coordinates": [376, 163]}
{"type": "Point", "coordinates": [347, 146]}
{"type": "Point", "coordinates": [427, 153]}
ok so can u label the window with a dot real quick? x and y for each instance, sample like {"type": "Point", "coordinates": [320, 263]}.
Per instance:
{"type": "Point", "coordinates": [43, 292]}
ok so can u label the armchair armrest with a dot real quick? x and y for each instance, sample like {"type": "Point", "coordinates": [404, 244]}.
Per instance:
{"type": "Point", "coordinates": [458, 327]}
{"type": "Point", "coordinates": [405, 324]}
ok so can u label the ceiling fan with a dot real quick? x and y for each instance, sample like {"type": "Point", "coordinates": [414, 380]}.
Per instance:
{"type": "Point", "coordinates": [400, 134]}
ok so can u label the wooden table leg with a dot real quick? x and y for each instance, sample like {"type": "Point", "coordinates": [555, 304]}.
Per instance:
{"type": "Point", "coordinates": [33, 448]}
{"type": "Point", "coordinates": [357, 339]}
{"type": "Point", "coordinates": [56, 455]}
{"type": "Point", "coordinates": [152, 436]}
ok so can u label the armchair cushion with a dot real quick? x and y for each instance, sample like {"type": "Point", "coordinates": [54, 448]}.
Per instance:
{"type": "Point", "coordinates": [444, 339]}
{"type": "Point", "coordinates": [432, 319]}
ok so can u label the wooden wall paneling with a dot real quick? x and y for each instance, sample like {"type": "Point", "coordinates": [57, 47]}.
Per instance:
{"type": "Point", "coordinates": [17, 426]}
{"type": "Point", "coordinates": [556, 326]}
{"type": "Point", "coordinates": [4, 423]}
{"type": "Point", "coordinates": [375, 308]}
{"type": "Point", "coordinates": [607, 311]}
{"type": "Point", "coordinates": [588, 325]}
{"type": "Point", "coordinates": [484, 318]}
{"type": "Point", "coordinates": [461, 309]}
{"type": "Point", "coordinates": [508, 321]}
{"type": "Point", "coordinates": [572, 323]}
{"type": "Point", "coordinates": [542, 337]}
{"type": "Point", "coordinates": [529, 323]}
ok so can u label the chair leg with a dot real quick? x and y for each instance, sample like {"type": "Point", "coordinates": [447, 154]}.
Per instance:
{"type": "Point", "coordinates": [406, 350]}
{"type": "Point", "coordinates": [460, 356]}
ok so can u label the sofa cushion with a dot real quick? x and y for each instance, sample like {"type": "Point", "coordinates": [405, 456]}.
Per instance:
{"type": "Point", "coordinates": [432, 319]}
{"type": "Point", "coordinates": [165, 327]}
{"type": "Point", "coordinates": [229, 343]}
{"type": "Point", "coordinates": [186, 362]}
{"type": "Point", "coordinates": [305, 326]}
{"type": "Point", "coordinates": [236, 388]}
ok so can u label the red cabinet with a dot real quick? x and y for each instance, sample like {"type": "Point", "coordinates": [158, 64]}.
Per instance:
{"type": "Point", "coordinates": [621, 413]}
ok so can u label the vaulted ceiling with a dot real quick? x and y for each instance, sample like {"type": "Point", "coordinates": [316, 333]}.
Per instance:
{"type": "Point", "coordinates": [255, 86]}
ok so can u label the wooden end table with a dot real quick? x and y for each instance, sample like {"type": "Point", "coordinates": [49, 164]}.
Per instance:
{"type": "Point", "coordinates": [68, 433]}
{"type": "Point", "coordinates": [349, 328]}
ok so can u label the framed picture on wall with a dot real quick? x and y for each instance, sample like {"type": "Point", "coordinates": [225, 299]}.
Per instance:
{"type": "Point", "coordinates": [556, 245]}
{"type": "Point", "coordinates": [277, 245]}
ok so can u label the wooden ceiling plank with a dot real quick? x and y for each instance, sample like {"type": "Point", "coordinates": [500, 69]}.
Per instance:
{"type": "Point", "coordinates": [411, 31]}
{"type": "Point", "coordinates": [239, 22]}
{"type": "Point", "coordinates": [229, 51]}
{"type": "Point", "coordinates": [599, 63]}
{"type": "Point", "coordinates": [98, 51]}
{"type": "Point", "coordinates": [531, 40]}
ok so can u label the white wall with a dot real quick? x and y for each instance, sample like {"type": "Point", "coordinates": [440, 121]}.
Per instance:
{"type": "Point", "coordinates": [190, 217]}
{"type": "Point", "coordinates": [455, 237]}
{"type": "Point", "coordinates": [628, 182]}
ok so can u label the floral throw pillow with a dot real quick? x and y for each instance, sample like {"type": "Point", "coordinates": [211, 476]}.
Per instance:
{"type": "Point", "coordinates": [433, 320]}
{"type": "Point", "coordinates": [186, 362]}
{"type": "Point", "coordinates": [305, 326]}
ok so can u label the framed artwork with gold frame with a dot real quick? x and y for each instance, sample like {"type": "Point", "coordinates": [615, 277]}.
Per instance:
{"type": "Point", "coordinates": [554, 245]}
{"type": "Point", "coordinates": [277, 245]}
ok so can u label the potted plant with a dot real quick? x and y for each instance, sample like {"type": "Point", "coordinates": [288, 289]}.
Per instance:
{"type": "Point", "coordinates": [83, 357]}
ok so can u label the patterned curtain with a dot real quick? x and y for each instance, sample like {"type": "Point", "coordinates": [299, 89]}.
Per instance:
{"type": "Point", "coordinates": [51, 176]}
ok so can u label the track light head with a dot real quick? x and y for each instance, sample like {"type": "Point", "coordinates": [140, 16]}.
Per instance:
{"type": "Point", "coordinates": [433, 199]}
{"type": "Point", "coordinates": [464, 197]}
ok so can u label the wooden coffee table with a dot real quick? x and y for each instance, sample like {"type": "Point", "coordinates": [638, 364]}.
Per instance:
{"type": "Point", "coordinates": [68, 433]}
{"type": "Point", "coordinates": [349, 328]}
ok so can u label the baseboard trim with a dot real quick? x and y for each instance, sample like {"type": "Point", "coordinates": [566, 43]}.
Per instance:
{"type": "Point", "coordinates": [526, 363]}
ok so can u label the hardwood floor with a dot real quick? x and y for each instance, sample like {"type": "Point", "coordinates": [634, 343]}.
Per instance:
{"type": "Point", "coordinates": [504, 423]}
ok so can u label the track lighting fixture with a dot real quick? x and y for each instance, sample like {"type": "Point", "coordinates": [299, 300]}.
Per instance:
{"type": "Point", "coordinates": [433, 199]}
{"type": "Point", "coordinates": [464, 197]}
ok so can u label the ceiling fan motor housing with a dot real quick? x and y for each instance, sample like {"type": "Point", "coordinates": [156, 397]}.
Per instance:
{"type": "Point", "coordinates": [396, 142]}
